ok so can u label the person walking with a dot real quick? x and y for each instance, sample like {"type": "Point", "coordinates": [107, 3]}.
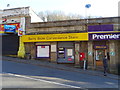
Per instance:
{"type": "Point", "coordinates": [105, 65]}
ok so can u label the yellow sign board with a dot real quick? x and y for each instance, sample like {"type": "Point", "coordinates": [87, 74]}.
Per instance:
{"type": "Point", "coordinates": [55, 37]}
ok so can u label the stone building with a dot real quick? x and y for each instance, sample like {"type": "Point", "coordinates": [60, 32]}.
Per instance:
{"type": "Point", "coordinates": [73, 41]}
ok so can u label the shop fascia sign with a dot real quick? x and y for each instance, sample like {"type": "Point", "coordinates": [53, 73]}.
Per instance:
{"type": "Point", "coordinates": [56, 37]}
{"type": "Point", "coordinates": [104, 36]}
{"type": "Point", "coordinates": [9, 28]}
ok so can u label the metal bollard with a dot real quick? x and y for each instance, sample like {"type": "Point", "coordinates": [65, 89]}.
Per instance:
{"type": "Point", "coordinates": [84, 67]}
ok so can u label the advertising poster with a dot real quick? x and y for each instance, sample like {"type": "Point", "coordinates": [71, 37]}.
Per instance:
{"type": "Point", "coordinates": [53, 48]}
{"type": "Point", "coordinates": [42, 51]}
{"type": "Point", "coordinates": [69, 52]}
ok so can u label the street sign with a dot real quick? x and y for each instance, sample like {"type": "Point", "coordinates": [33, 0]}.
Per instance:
{"type": "Point", "coordinates": [112, 53]}
{"type": "Point", "coordinates": [88, 5]}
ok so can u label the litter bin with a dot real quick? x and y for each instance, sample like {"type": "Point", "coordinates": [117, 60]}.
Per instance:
{"type": "Point", "coordinates": [28, 56]}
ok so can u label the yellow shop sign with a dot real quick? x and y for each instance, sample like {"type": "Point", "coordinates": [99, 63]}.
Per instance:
{"type": "Point", "coordinates": [55, 37]}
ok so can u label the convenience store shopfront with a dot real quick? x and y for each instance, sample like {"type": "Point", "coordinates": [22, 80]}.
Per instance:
{"type": "Point", "coordinates": [101, 44]}
{"type": "Point", "coordinates": [60, 48]}
{"type": "Point", "coordinates": [68, 47]}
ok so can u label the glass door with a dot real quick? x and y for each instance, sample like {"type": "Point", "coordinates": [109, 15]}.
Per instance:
{"type": "Point", "coordinates": [65, 55]}
{"type": "Point", "coordinates": [99, 54]}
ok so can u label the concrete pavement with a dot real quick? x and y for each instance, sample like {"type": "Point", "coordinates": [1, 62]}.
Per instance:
{"type": "Point", "coordinates": [60, 66]}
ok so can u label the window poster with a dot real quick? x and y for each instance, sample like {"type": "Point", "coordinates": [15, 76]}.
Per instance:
{"type": "Point", "coordinates": [53, 48]}
{"type": "Point", "coordinates": [43, 51]}
{"type": "Point", "coordinates": [69, 52]}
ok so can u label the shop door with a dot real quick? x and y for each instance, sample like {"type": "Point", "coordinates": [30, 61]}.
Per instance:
{"type": "Point", "coordinates": [65, 52]}
{"type": "Point", "coordinates": [99, 54]}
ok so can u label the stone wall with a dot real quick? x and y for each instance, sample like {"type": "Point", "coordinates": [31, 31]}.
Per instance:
{"type": "Point", "coordinates": [113, 58]}
{"type": "Point", "coordinates": [57, 29]}
{"type": "Point", "coordinates": [90, 55]}
{"type": "Point", "coordinates": [79, 25]}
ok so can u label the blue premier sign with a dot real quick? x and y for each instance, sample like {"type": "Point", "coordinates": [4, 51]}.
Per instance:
{"type": "Point", "coordinates": [104, 36]}
{"type": "Point", "coordinates": [9, 28]}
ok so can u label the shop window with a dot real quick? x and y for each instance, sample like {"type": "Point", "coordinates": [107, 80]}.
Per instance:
{"type": "Point", "coordinates": [61, 52]}
{"type": "Point", "coordinates": [43, 51]}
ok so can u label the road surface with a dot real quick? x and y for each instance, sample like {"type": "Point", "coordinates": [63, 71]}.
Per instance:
{"type": "Point", "coordinates": [20, 75]}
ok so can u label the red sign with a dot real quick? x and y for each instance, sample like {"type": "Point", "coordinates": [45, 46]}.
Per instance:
{"type": "Point", "coordinates": [20, 32]}
{"type": "Point", "coordinates": [82, 56]}
{"type": "Point", "coordinates": [42, 46]}
{"type": "Point", "coordinates": [5, 20]}
{"type": "Point", "coordinates": [1, 28]}
{"type": "Point", "coordinates": [69, 59]}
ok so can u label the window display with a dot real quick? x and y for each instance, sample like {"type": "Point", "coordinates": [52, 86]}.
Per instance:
{"type": "Point", "coordinates": [61, 52]}
{"type": "Point", "coordinates": [43, 51]}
